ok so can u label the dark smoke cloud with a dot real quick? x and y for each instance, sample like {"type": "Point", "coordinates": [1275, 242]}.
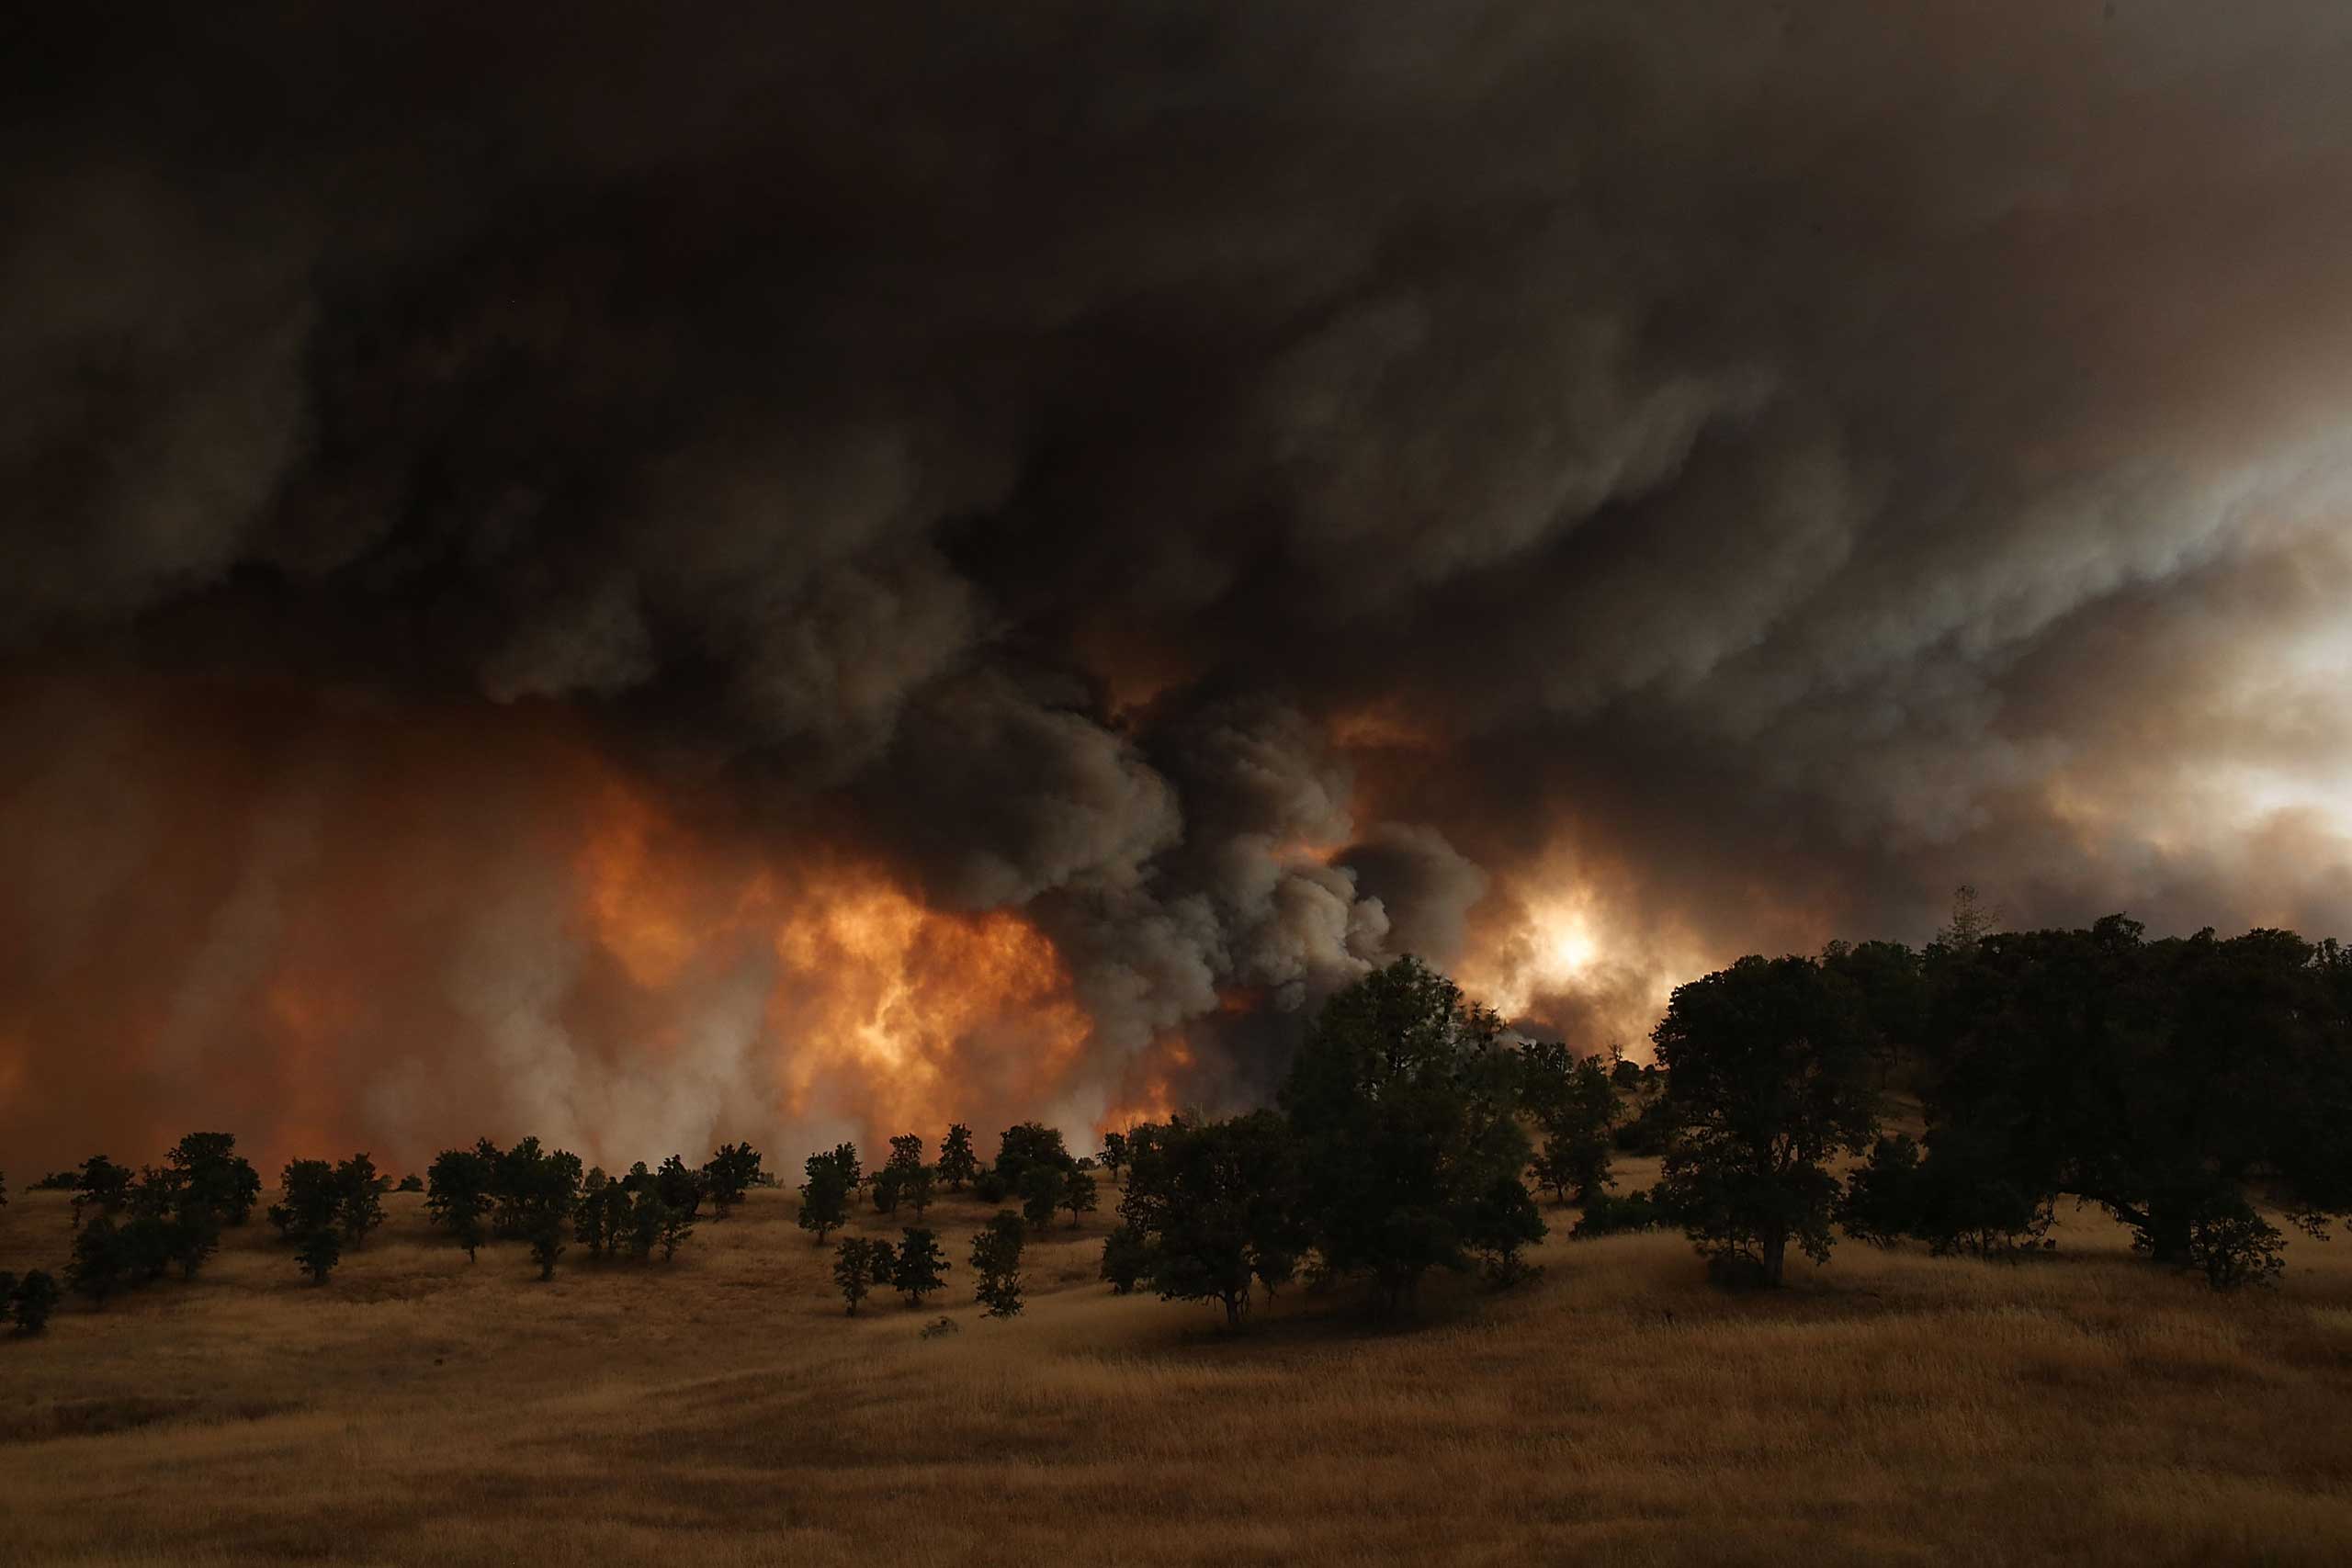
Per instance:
{"type": "Point", "coordinates": [1254, 489]}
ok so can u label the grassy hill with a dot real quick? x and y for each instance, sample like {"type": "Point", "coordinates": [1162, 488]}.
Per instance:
{"type": "Point", "coordinates": [721, 1410]}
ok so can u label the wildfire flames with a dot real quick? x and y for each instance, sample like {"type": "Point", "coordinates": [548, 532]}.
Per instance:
{"type": "Point", "coordinates": [463, 933]}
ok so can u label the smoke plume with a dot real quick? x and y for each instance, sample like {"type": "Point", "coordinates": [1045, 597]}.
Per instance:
{"type": "Point", "coordinates": [652, 578]}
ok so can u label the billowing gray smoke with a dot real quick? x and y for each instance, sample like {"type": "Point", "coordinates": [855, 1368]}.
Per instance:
{"type": "Point", "coordinates": [1252, 487]}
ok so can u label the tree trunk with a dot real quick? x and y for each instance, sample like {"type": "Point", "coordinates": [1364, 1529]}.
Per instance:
{"type": "Point", "coordinates": [2169, 1228]}
{"type": "Point", "coordinates": [1776, 1253]}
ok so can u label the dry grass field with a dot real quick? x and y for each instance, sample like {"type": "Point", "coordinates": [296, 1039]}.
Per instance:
{"type": "Point", "coordinates": [1890, 1408]}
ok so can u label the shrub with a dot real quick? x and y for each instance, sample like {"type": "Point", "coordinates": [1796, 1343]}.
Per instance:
{"type": "Point", "coordinates": [1126, 1256]}
{"type": "Point", "coordinates": [996, 1264]}
{"type": "Point", "coordinates": [1611, 1215]}
{"type": "Point", "coordinates": [32, 1301]}
{"type": "Point", "coordinates": [856, 1267]}
{"type": "Point", "coordinates": [2233, 1245]}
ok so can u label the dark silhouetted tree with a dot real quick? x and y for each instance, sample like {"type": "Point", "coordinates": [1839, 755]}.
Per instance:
{"type": "Point", "coordinates": [547, 1243]}
{"type": "Point", "coordinates": [2156, 1079]}
{"type": "Point", "coordinates": [1405, 1106]}
{"type": "Point", "coordinates": [359, 1198]}
{"type": "Point", "coordinates": [1769, 1069]}
{"type": "Point", "coordinates": [1115, 1153]}
{"type": "Point", "coordinates": [2233, 1245]}
{"type": "Point", "coordinates": [1078, 1195]}
{"type": "Point", "coordinates": [1126, 1258]}
{"type": "Point", "coordinates": [957, 1163]}
{"type": "Point", "coordinates": [457, 1194]}
{"type": "Point", "coordinates": [1610, 1214]}
{"type": "Point", "coordinates": [921, 1267]}
{"type": "Point", "coordinates": [309, 1198]}
{"type": "Point", "coordinates": [1574, 1103]}
{"type": "Point", "coordinates": [1502, 1223]}
{"type": "Point", "coordinates": [319, 1252]}
{"type": "Point", "coordinates": [1027, 1145]}
{"type": "Point", "coordinates": [102, 1264]}
{"type": "Point", "coordinates": [1041, 1194]}
{"type": "Point", "coordinates": [100, 1186]}
{"type": "Point", "coordinates": [411, 1182]}
{"type": "Point", "coordinates": [855, 1268]}
{"type": "Point", "coordinates": [996, 1264]}
{"type": "Point", "coordinates": [33, 1299]}
{"type": "Point", "coordinates": [915, 1188]}
{"type": "Point", "coordinates": [214, 1176]}
{"type": "Point", "coordinates": [676, 1226]}
{"type": "Point", "coordinates": [884, 1189]}
{"type": "Point", "coordinates": [730, 1174]}
{"type": "Point", "coordinates": [681, 1186]}
{"type": "Point", "coordinates": [1214, 1204]}
{"type": "Point", "coordinates": [601, 1220]}
{"type": "Point", "coordinates": [824, 1197]}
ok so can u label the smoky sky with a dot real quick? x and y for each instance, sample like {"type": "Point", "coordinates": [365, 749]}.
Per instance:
{"type": "Point", "coordinates": [1250, 489]}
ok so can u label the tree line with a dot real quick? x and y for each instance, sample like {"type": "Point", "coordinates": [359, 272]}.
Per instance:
{"type": "Point", "coordinates": [2171, 1083]}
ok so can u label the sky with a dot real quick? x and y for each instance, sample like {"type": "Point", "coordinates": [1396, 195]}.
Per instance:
{"type": "Point", "coordinates": [645, 577]}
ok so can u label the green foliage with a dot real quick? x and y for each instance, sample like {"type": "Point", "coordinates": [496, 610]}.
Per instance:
{"type": "Point", "coordinates": [858, 1264]}
{"type": "Point", "coordinates": [1650, 1133]}
{"type": "Point", "coordinates": [1041, 1194]}
{"type": "Point", "coordinates": [603, 1219]}
{"type": "Point", "coordinates": [457, 1194]}
{"type": "Point", "coordinates": [957, 1162]}
{"type": "Point", "coordinates": [996, 1264]}
{"type": "Point", "coordinates": [1770, 1072]}
{"type": "Point", "coordinates": [1405, 1108]}
{"type": "Point", "coordinates": [1126, 1259]}
{"type": "Point", "coordinates": [681, 1186]}
{"type": "Point", "coordinates": [214, 1178]}
{"type": "Point", "coordinates": [102, 1263]}
{"type": "Point", "coordinates": [317, 1252]}
{"type": "Point", "coordinates": [676, 1226]}
{"type": "Point", "coordinates": [2149, 1078]}
{"type": "Point", "coordinates": [1212, 1209]}
{"type": "Point", "coordinates": [885, 1189]}
{"type": "Point", "coordinates": [547, 1243]}
{"type": "Point", "coordinates": [1881, 1204]}
{"type": "Point", "coordinates": [101, 1186]}
{"type": "Point", "coordinates": [1574, 1102]}
{"type": "Point", "coordinates": [1078, 1195]}
{"type": "Point", "coordinates": [915, 1188]}
{"type": "Point", "coordinates": [1027, 1145]}
{"type": "Point", "coordinates": [2233, 1244]}
{"type": "Point", "coordinates": [359, 1198]}
{"type": "Point", "coordinates": [34, 1298]}
{"type": "Point", "coordinates": [921, 1267]}
{"type": "Point", "coordinates": [1958, 1193]}
{"type": "Point", "coordinates": [1503, 1222]}
{"type": "Point", "coordinates": [1608, 1213]}
{"type": "Point", "coordinates": [730, 1172]}
{"type": "Point", "coordinates": [824, 1196]}
{"type": "Point", "coordinates": [536, 1190]}
{"type": "Point", "coordinates": [309, 1198]}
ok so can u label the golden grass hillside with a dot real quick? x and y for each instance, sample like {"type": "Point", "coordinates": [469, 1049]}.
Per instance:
{"type": "Point", "coordinates": [721, 1410]}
